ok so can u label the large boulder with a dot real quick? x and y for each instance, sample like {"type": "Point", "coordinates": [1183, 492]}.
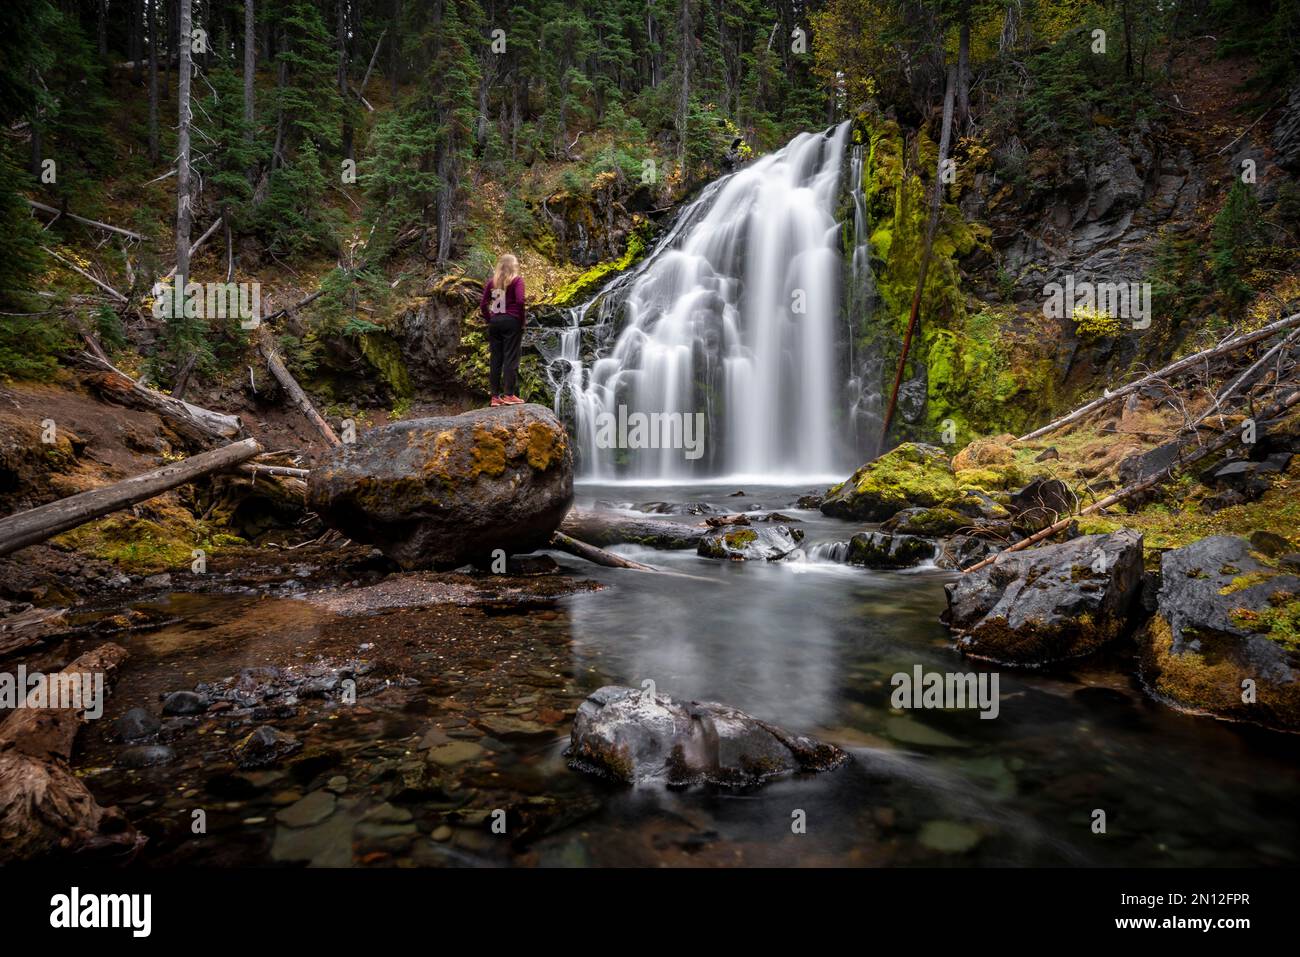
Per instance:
{"type": "Point", "coordinates": [911, 474]}
{"type": "Point", "coordinates": [443, 491]}
{"type": "Point", "coordinates": [635, 737]}
{"type": "Point", "coordinates": [1050, 603]}
{"type": "Point", "coordinates": [1225, 637]}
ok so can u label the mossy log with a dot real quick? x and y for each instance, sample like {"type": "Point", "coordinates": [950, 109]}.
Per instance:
{"type": "Point", "coordinates": [37, 524]}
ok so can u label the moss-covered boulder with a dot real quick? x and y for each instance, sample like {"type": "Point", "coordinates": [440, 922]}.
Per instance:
{"type": "Point", "coordinates": [1050, 603]}
{"type": "Point", "coordinates": [995, 450]}
{"type": "Point", "coordinates": [637, 737]}
{"type": "Point", "coordinates": [1225, 637]}
{"type": "Point", "coordinates": [882, 550]}
{"type": "Point", "coordinates": [931, 522]}
{"type": "Point", "coordinates": [440, 492]}
{"type": "Point", "coordinates": [744, 543]}
{"type": "Point", "coordinates": [912, 474]}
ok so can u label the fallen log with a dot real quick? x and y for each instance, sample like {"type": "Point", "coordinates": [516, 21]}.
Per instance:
{"type": "Point", "coordinates": [85, 275]}
{"type": "Point", "coordinates": [290, 385]}
{"type": "Point", "coordinates": [1158, 478]}
{"type": "Point", "coordinates": [604, 528]}
{"type": "Point", "coordinates": [89, 222]}
{"type": "Point", "coordinates": [44, 806]}
{"type": "Point", "coordinates": [1246, 378]}
{"type": "Point", "coordinates": [1182, 365]}
{"type": "Point", "coordinates": [37, 524]}
{"type": "Point", "coordinates": [190, 421]}
{"type": "Point", "coordinates": [596, 555]}
{"type": "Point", "coordinates": [30, 627]}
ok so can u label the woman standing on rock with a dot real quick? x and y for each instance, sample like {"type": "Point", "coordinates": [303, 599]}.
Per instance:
{"type": "Point", "coordinates": [502, 307]}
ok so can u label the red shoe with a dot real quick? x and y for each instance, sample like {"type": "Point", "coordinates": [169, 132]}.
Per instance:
{"type": "Point", "coordinates": [498, 400]}
{"type": "Point", "coordinates": [511, 400]}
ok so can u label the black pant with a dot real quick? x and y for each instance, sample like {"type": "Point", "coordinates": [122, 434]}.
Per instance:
{"type": "Point", "coordinates": [505, 334]}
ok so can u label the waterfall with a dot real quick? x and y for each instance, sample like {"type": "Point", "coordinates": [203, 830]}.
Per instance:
{"type": "Point", "coordinates": [732, 320]}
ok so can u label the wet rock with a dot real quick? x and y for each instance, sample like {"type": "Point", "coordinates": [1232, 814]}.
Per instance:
{"type": "Point", "coordinates": [448, 490]}
{"type": "Point", "coordinates": [184, 703]}
{"type": "Point", "coordinates": [1041, 503]}
{"type": "Point", "coordinates": [1269, 543]}
{"type": "Point", "coordinates": [880, 550]}
{"type": "Point", "coordinates": [978, 505]}
{"type": "Point", "coordinates": [911, 474]}
{"type": "Point", "coordinates": [453, 753]}
{"type": "Point", "coordinates": [963, 551]}
{"type": "Point", "coordinates": [265, 746]}
{"type": "Point", "coordinates": [742, 543]}
{"type": "Point", "coordinates": [145, 756]}
{"type": "Point", "coordinates": [1050, 603]}
{"type": "Point", "coordinates": [310, 809]}
{"type": "Point", "coordinates": [1144, 465]}
{"type": "Point", "coordinates": [632, 737]}
{"type": "Point", "coordinates": [163, 580]}
{"type": "Point", "coordinates": [136, 724]}
{"type": "Point", "coordinates": [1048, 454]}
{"type": "Point", "coordinates": [1223, 638]}
{"type": "Point", "coordinates": [810, 501]}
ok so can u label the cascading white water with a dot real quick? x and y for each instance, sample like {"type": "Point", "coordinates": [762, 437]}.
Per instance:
{"type": "Point", "coordinates": [732, 315]}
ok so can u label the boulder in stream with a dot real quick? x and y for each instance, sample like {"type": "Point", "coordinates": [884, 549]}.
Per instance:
{"type": "Point", "coordinates": [911, 474]}
{"type": "Point", "coordinates": [882, 550]}
{"type": "Point", "coordinates": [439, 492]}
{"type": "Point", "coordinates": [638, 737]}
{"type": "Point", "coordinates": [746, 543]}
{"type": "Point", "coordinates": [1225, 637]}
{"type": "Point", "coordinates": [1050, 603]}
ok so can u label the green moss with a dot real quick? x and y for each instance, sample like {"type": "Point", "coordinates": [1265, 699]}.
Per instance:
{"type": "Point", "coordinates": [383, 353]}
{"type": "Point", "coordinates": [1249, 580]}
{"type": "Point", "coordinates": [1280, 621]}
{"type": "Point", "coordinates": [585, 285]}
{"type": "Point", "coordinates": [909, 475]}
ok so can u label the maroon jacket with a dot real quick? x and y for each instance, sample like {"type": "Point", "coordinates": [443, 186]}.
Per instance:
{"type": "Point", "coordinates": [514, 300]}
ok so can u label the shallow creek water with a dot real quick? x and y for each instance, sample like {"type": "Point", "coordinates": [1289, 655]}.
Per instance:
{"type": "Point", "coordinates": [478, 702]}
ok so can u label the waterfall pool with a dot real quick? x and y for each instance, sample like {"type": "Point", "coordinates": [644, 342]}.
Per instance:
{"type": "Point", "coordinates": [473, 711]}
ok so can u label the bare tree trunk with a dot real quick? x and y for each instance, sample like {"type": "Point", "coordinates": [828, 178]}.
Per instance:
{"type": "Point", "coordinates": [184, 211]}
{"type": "Point", "coordinates": [153, 81]}
{"type": "Point", "coordinates": [101, 28]}
{"type": "Point", "coordinates": [344, 99]}
{"type": "Point", "coordinates": [963, 71]}
{"type": "Point", "coordinates": [250, 73]}
{"type": "Point", "coordinates": [936, 206]}
{"type": "Point", "coordinates": [685, 39]}
{"type": "Point", "coordinates": [394, 51]}
{"type": "Point", "coordinates": [135, 41]}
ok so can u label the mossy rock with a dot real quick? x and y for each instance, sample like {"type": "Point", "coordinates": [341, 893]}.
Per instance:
{"type": "Point", "coordinates": [743, 543]}
{"type": "Point", "coordinates": [985, 452]}
{"type": "Point", "coordinates": [1225, 638]}
{"type": "Point", "coordinates": [928, 522]}
{"type": "Point", "coordinates": [439, 492]}
{"type": "Point", "coordinates": [911, 474]}
{"type": "Point", "coordinates": [881, 550]}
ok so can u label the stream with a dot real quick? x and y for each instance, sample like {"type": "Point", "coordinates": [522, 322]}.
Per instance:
{"type": "Point", "coordinates": [476, 700]}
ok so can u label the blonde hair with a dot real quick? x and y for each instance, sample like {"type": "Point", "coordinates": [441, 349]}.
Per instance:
{"type": "Point", "coordinates": [506, 272]}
